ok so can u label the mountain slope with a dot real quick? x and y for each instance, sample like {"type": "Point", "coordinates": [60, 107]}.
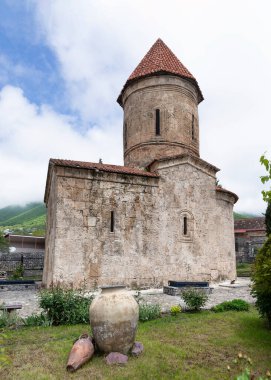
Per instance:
{"type": "Point", "coordinates": [243, 216]}
{"type": "Point", "coordinates": [31, 214]}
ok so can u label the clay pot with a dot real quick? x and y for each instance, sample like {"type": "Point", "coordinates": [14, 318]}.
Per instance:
{"type": "Point", "coordinates": [81, 352]}
{"type": "Point", "coordinates": [113, 319]}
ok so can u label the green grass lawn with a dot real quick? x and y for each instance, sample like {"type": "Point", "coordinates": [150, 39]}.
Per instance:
{"type": "Point", "coordinates": [189, 346]}
{"type": "Point", "coordinates": [244, 269]}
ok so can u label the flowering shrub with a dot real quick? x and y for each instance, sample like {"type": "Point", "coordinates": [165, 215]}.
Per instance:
{"type": "Point", "coordinates": [174, 310]}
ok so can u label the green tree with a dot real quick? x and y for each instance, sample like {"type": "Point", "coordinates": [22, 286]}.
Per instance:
{"type": "Point", "coordinates": [261, 277]}
{"type": "Point", "coordinates": [266, 178]}
{"type": "Point", "coordinates": [4, 245]}
{"type": "Point", "coordinates": [268, 219]}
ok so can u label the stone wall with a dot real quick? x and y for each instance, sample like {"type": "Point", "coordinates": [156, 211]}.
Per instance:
{"type": "Point", "coordinates": [188, 189]}
{"type": "Point", "coordinates": [177, 100]}
{"type": "Point", "coordinates": [84, 250]}
{"type": "Point", "coordinates": [148, 246]}
{"type": "Point", "coordinates": [48, 271]}
{"type": "Point", "coordinates": [247, 245]}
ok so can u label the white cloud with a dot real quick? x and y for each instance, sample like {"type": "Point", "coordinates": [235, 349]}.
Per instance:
{"type": "Point", "coordinates": [225, 44]}
{"type": "Point", "coordinates": [30, 135]}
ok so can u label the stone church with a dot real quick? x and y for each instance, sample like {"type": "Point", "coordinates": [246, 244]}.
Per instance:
{"type": "Point", "coordinates": [159, 217]}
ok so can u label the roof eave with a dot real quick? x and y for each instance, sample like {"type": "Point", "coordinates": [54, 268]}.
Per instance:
{"type": "Point", "coordinates": [158, 73]}
{"type": "Point", "coordinates": [48, 181]}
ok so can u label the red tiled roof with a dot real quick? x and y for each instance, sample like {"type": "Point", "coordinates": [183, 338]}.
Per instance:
{"type": "Point", "coordinates": [160, 60]}
{"type": "Point", "coordinates": [101, 167]}
{"type": "Point", "coordinates": [250, 224]}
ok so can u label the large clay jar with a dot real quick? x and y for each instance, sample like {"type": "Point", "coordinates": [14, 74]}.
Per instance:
{"type": "Point", "coordinates": [113, 319]}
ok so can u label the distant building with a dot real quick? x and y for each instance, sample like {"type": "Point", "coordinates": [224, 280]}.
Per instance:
{"type": "Point", "coordinates": [26, 244]}
{"type": "Point", "coordinates": [250, 235]}
{"type": "Point", "coordinates": [24, 250]}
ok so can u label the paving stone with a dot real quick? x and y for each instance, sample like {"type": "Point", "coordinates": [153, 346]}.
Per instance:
{"type": "Point", "coordinates": [220, 293]}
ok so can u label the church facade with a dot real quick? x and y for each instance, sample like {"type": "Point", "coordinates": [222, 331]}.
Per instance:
{"type": "Point", "coordinates": [160, 216]}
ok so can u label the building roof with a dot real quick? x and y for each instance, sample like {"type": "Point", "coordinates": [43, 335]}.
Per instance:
{"type": "Point", "coordinates": [222, 190]}
{"type": "Point", "coordinates": [250, 224]}
{"type": "Point", "coordinates": [102, 167]}
{"type": "Point", "coordinates": [183, 155]}
{"type": "Point", "coordinates": [160, 60]}
{"type": "Point", "coordinates": [93, 166]}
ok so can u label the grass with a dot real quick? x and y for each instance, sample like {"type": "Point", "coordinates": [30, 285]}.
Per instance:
{"type": "Point", "coordinates": [244, 269]}
{"type": "Point", "coordinates": [187, 346]}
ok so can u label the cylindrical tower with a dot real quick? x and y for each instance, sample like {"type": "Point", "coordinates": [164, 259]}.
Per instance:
{"type": "Point", "coordinates": [160, 102]}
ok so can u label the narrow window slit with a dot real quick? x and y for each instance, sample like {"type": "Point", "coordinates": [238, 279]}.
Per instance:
{"type": "Point", "coordinates": [185, 225]}
{"type": "Point", "coordinates": [112, 222]}
{"type": "Point", "coordinates": [157, 122]}
{"type": "Point", "coordinates": [125, 135]}
{"type": "Point", "coordinates": [193, 128]}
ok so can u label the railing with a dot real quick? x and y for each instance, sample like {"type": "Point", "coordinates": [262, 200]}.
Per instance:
{"type": "Point", "coordinates": [9, 264]}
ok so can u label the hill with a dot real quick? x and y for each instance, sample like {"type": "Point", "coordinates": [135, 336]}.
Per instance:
{"type": "Point", "coordinates": [244, 216]}
{"type": "Point", "coordinates": [24, 219]}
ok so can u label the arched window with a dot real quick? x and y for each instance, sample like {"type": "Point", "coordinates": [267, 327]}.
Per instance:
{"type": "Point", "coordinates": [185, 225]}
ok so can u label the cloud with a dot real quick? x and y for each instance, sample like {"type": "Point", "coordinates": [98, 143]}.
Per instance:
{"type": "Point", "coordinates": [31, 134]}
{"type": "Point", "coordinates": [224, 44]}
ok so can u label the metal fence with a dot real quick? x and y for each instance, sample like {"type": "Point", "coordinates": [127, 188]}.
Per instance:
{"type": "Point", "coordinates": [9, 262]}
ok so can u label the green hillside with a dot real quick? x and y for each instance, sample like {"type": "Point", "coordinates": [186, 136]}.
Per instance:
{"type": "Point", "coordinates": [24, 219]}
{"type": "Point", "coordinates": [13, 215]}
{"type": "Point", "coordinates": [244, 216]}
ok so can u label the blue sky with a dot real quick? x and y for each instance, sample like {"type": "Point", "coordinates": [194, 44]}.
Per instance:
{"type": "Point", "coordinates": [64, 62]}
{"type": "Point", "coordinates": [32, 65]}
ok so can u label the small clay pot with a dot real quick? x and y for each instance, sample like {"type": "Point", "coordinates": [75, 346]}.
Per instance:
{"type": "Point", "coordinates": [113, 319]}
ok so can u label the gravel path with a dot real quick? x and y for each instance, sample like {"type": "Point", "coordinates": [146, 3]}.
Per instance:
{"type": "Point", "coordinates": [220, 293]}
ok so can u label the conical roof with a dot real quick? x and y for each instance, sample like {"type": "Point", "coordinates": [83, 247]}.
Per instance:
{"type": "Point", "coordinates": [160, 60]}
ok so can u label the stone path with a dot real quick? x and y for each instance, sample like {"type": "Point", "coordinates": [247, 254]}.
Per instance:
{"type": "Point", "coordinates": [28, 298]}
{"type": "Point", "coordinates": [220, 293]}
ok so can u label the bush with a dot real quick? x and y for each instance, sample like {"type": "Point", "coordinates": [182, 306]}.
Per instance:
{"type": "Point", "coordinates": [18, 273]}
{"type": "Point", "coordinates": [174, 310]}
{"type": "Point", "coordinates": [65, 307]}
{"type": "Point", "coordinates": [261, 277]}
{"type": "Point", "coordinates": [9, 319]}
{"type": "Point", "coordinates": [194, 298]}
{"type": "Point", "coordinates": [148, 312]}
{"type": "Point", "coordinates": [37, 320]}
{"type": "Point", "coordinates": [237, 305]}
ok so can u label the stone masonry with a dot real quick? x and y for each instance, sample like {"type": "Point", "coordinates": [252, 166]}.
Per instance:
{"type": "Point", "coordinates": [158, 218]}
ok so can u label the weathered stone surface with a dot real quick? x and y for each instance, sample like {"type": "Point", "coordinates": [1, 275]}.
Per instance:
{"type": "Point", "coordinates": [116, 358]}
{"type": "Point", "coordinates": [137, 349]}
{"type": "Point", "coordinates": [173, 227]}
{"type": "Point", "coordinates": [148, 246]}
{"type": "Point", "coordinates": [177, 100]}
